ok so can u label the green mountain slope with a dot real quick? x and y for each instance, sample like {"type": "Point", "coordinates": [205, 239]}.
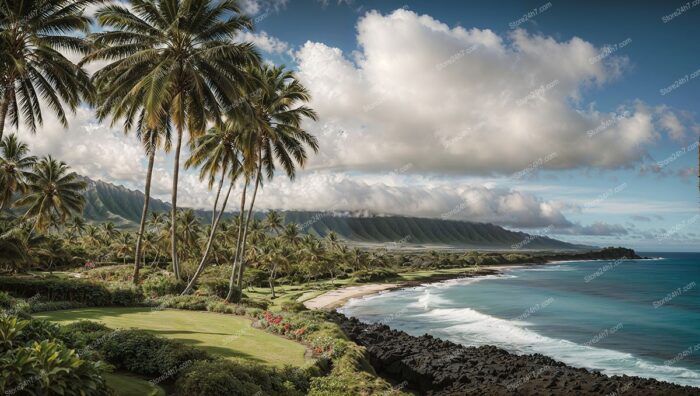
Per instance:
{"type": "Point", "coordinates": [122, 206]}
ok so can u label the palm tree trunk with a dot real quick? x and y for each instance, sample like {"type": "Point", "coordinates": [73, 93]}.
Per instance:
{"type": "Point", "coordinates": [4, 106]}
{"type": "Point", "coordinates": [231, 283]}
{"type": "Point", "coordinates": [241, 266]}
{"type": "Point", "coordinates": [272, 280]}
{"type": "Point", "coordinates": [218, 193]}
{"type": "Point", "coordinates": [173, 215]}
{"type": "Point", "coordinates": [144, 213]}
{"type": "Point", "coordinates": [202, 263]}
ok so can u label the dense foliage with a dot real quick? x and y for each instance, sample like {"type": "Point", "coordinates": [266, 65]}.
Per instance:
{"type": "Point", "coordinates": [35, 360]}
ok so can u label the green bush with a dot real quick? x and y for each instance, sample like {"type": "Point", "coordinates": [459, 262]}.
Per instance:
{"type": "Point", "coordinates": [173, 355]}
{"type": "Point", "coordinates": [229, 378]}
{"type": "Point", "coordinates": [33, 360]}
{"type": "Point", "coordinates": [188, 302]}
{"type": "Point", "coordinates": [216, 287]}
{"type": "Point", "coordinates": [373, 275]}
{"type": "Point", "coordinates": [43, 306]}
{"type": "Point", "coordinates": [162, 285]}
{"type": "Point", "coordinates": [260, 304]}
{"type": "Point", "coordinates": [292, 306]}
{"type": "Point", "coordinates": [6, 301]}
{"type": "Point", "coordinates": [73, 290]}
{"type": "Point", "coordinates": [146, 354]}
{"type": "Point", "coordinates": [48, 367]}
{"type": "Point", "coordinates": [57, 290]}
{"type": "Point", "coordinates": [126, 297]}
{"type": "Point", "coordinates": [133, 350]}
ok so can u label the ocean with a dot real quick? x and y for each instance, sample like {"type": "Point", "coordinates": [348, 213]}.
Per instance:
{"type": "Point", "coordinates": [634, 317]}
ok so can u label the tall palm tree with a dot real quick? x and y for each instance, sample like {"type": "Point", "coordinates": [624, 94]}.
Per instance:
{"type": "Point", "coordinates": [151, 139]}
{"type": "Point", "coordinates": [52, 189]}
{"type": "Point", "coordinates": [77, 225]}
{"type": "Point", "coordinates": [274, 221]}
{"type": "Point", "coordinates": [216, 152]}
{"type": "Point", "coordinates": [33, 34]}
{"type": "Point", "coordinates": [15, 167]}
{"type": "Point", "coordinates": [108, 231]}
{"type": "Point", "coordinates": [171, 56]}
{"type": "Point", "coordinates": [277, 136]}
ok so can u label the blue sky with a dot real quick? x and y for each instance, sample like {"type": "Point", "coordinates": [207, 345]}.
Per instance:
{"type": "Point", "coordinates": [658, 54]}
{"type": "Point", "coordinates": [564, 121]}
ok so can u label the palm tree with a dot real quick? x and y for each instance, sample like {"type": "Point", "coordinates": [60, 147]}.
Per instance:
{"type": "Point", "coordinates": [189, 225]}
{"type": "Point", "coordinates": [291, 234]}
{"type": "Point", "coordinates": [32, 35]}
{"type": "Point", "coordinates": [52, 189]}
{"type": "Point", "coordinates": [216, 152]}
{"type": "Point", "coordinates": [171, 56]}
{"type": "Point", "coordinates": [108, 231]}
{"type": "Point", "coordinates": [77, 225]}
{"type": "Point", "coordinates": [275, 116]}
{"type": "Point", "coordinates": [151, 140]}
{"type": "Point", "coordinates": [274, 221]}
{"type": "Point", "coordinates": [123, 245]}
{"type": "Point", "coordinates": [15, 167]}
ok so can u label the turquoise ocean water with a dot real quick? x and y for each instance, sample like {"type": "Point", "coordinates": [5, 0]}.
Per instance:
{"type": "Point", "coordinates": [636, 317]}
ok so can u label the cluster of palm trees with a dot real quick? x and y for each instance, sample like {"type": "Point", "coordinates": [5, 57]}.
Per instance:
{"type": "Point", "coordinates": [46, 189]}
{"type": "Point", "coordinates": [171, 69]}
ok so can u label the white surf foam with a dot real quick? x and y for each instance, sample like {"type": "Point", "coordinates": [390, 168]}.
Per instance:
{"type": "Point", "coordinates": [470, 327]}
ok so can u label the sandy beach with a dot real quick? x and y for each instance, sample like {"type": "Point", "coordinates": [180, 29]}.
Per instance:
{"type": "Point", "coordinates": [336, 298]}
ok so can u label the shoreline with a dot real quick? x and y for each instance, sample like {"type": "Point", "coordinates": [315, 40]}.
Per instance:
{"type": "Point", "coordinates": [333, 299]}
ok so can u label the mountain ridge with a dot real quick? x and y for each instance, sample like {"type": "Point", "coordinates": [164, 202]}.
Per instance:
{"type": "Point", "coordinates": [122, 206]}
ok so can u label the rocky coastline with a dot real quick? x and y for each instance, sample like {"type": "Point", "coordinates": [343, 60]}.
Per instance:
{"type": "Point", "coordinates": [431, 366]}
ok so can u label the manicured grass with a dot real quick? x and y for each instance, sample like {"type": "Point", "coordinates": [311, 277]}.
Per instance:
{"type": "Point", "coordinates": [225, 335]}
{"type": "Point", "coordinates": [129, 385]}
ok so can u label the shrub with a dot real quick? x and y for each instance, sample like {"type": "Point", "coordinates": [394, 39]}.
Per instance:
{"type": "Point", "coordinates": [133, 350]}
{"type": "Point", "coordinates": [217, 287]}
{"type": "Point", "coordinates": [189, 302]}
{"type": "Point", "coordinates": [48, 367]}
{"type": "Point", "coordinates": [293, 306]}
{"type": "Point", "coordinates": [126, 297]}
{"type": "Point", "coordinates": [6, 301]}
{"type": "Point", "coordinates": [261, 304]}
{"type": "Point", "coordinates": [43, 306]}
{"type": "Point", "coordinates": [162, 285]}
{"type": "Point", "coordinates": [72, 290]}
{"type": "Point", "coordinates": [146, 354]}
{"type": "Point", "coordinates": [173, 355]}
{"type": "Point", "coordinates": [229, 378]}
{"type": "Point", "coordinates": [373, 275]}
{"type": "Point", "coordinates": [35, 361]}
{"type": "Point", "coordinates": [57, 290]}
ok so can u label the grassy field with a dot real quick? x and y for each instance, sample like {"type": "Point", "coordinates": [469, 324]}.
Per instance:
{"type": "Point", "coordinates": [224, 335]}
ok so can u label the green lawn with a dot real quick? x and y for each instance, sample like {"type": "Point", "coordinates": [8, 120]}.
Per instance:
{"type": "Point", "coordinates": [129, 385]}
{"type": "Point", "coordinates": [225, 335]}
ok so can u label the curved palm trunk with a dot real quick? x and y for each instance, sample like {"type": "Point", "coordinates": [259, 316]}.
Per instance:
{"type": "Point", "coordinates": [241, 266]}
{"type": "Point", "coordinates": [173, 215]}
{"type": "Point", "coordinates": [144, 213]}
{"type": "Point", "coordinates": [231, 283]}
{"type": "Point", "coordinates": [210, 241]}
{"type": "Point", "coordinates": [218, 194]}
{"type": "Point", "coordinates": [4, 106]}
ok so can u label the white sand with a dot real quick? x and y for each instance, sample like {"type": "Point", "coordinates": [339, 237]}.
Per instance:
{"type": "Point", "coordinates": [336, 298]}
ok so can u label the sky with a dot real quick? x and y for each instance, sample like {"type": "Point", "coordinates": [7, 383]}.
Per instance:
{"type": "Point", "coordinates": [575, 121]}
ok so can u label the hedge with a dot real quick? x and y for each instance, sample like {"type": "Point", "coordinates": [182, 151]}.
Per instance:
{"type": "Point", "coordinates": [88, 293]}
